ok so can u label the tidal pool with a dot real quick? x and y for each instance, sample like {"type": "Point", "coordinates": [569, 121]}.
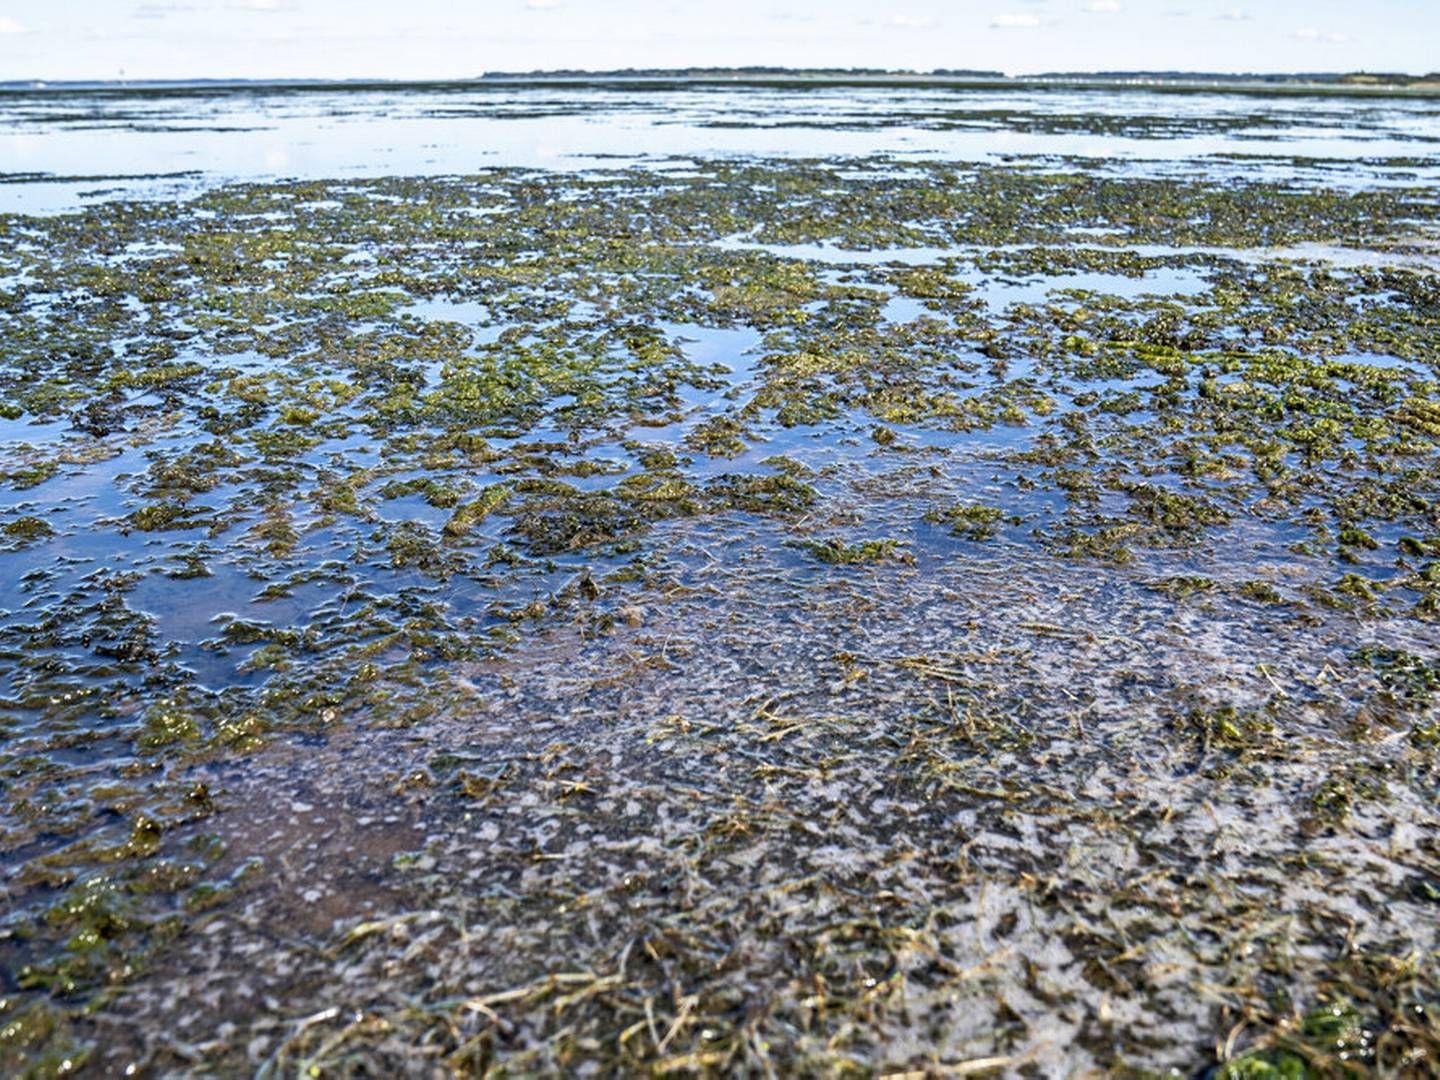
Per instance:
{"type": "Point", "coordinates": [944, 609]}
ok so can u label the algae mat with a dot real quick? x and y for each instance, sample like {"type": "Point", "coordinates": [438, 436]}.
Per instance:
{"type": "Point", "coordinates": [780, 617]}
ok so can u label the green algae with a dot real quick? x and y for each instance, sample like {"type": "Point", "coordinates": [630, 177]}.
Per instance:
{"type": "Point", "coordinates": [467, 516]}
{"type": "Point", "coordinates": [1266, 1065]}
{"type": "Point", "coordinates": [31, 476]}
{"type": "Point", "coordinates": [837, 553]}
{"type": "Point", "coordinates": [414, 497]}
{"type": "Point", "coordinates": [970, 522]}
{"type": "Point", "coordinates": [1408, 677]}
{"type": "Point", "coordinates": [1332, 1040]}
{"type": "Point", "coordinates": [27, 530]}
{"type": "Point", "coordinates": [36, 1043]}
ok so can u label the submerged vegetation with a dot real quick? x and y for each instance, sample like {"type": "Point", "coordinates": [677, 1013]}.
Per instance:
{"type": "Point", "coordinates": [772, 616]}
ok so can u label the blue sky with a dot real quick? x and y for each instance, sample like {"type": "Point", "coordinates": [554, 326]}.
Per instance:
{"type": "Point", "coordinates": [61, 39]}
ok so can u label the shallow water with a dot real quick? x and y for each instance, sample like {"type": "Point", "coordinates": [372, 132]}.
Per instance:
{"type": "Point", "coordinates": [164, 143]}
{"type": "Point", "coordinates": [853, 598]}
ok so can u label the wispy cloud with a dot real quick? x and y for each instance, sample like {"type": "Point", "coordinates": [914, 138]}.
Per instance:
{"type": "Point", "coordinates": [1234, 15]}
{"type": "Point", "coordinates": [10, 26]}
{"type": "Point", "coordinates": [265, 7]}
{"type": "Point", "coordinates": [1015, 22]}
{"type": "Point", "coordinates": [1323, 37]}
{"type": "Point", "coordinates": [542, 5]}
{"type": "Point", "coordinates": [161, 11]}
{"type": "Point", "coordinates": [910, 22]}
{"type": "Point", "coordinates": [1103, 7]}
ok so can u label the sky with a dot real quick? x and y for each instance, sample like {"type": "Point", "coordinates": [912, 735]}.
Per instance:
{"type": "Point", "coordinates": [138, 39]}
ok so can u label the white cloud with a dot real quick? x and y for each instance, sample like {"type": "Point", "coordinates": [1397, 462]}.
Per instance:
{"type": "Point", "coordinates": [542, 5]}
{"type": "Point", "coordinates": [1015, 22]}
{"type": "Point", "coordinates": [910, 22]}
{"type": "Point", "coordinates": [161, 10]}
{"type": "Point", "coordinates": [1103, 7]}
{"type": "Point", "coordinates": [1234, 15]}
{"type": "Point", "coordinates": [1324, 37]}
{"type": "Point", "coordinates": [268, 7]}
{"type": "Point", "coordinates": [10, 26]}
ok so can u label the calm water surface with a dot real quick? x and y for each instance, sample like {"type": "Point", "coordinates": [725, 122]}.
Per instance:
{"type": "Point", "coordinates": [214, 136]}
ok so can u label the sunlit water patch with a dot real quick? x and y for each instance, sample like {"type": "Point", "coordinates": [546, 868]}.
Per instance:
{"type": "Point", "coordinates": [65, 148]}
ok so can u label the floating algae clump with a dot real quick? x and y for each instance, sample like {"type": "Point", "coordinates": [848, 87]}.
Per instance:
{"type": "Point", "coordinates": [27, 530]}
{"type": "Point", "coordinates": [838, 553]}
{"type": "Point", "coordinates": [970, 522]}
{"type": "Point", "coordinates": [470, 514]}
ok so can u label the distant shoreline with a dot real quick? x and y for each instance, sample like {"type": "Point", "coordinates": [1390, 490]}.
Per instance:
{"type": "Point", "coordinates": [1359, 85]}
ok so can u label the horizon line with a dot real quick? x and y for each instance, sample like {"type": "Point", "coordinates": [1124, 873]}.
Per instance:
{"type": "Point", "coordinates": [741, 71]}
